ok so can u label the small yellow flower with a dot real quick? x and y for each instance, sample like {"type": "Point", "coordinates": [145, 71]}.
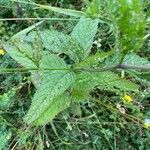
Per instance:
{"type": "Point", "coordinates": [2, 52]}
{"type": "Point", "coordinates": [127, 99]}
{"type": "Point", "coordinates": [147, 123]}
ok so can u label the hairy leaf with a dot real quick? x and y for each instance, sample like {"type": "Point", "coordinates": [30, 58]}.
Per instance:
{"type": "Point", "coordinates": [86, 81]}
{"type": "Point", "coordinates": [94, 59]}
{"type": "Point", "coordinates": [134, 59]}
{"type": "Point", "coordinates": [59, 104]}
{"type": "Point", "coordinates": [22, 53]}
{"type": "Point", "coordinates": [53, 84]}
{"type": "Point", "coordinates": [57, 42]}
{"type": "Point", "coordinates": [130, 59]}
{"type": "Point", "coordinates": [84, 33]}
{"type": "Point", "coordinates": [60, 43]}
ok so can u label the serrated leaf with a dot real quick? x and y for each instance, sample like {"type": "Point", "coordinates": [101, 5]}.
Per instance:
{"type": "Point", "coordinates": [130, 59]}
{"type": "Point", "coordinates": [136, 60]}
{"type": "Point", "coordinates": [59, 104]}
{"type": "Point", "coordinates": [54, 83]}
{"type": "Point", "coordinates": [21, 53]}
{"type": "Point", "coordinates": [82, 87]}
{"type": "Point", "coordinates": [84, 33]}
{"type": "Point", "coordinates": [94, 59]}
{"type": "Point", "coordinates": [86, 81]}
{"type": "Point", "coordinates": [111, 81]}
{"type": "Point", "coordinates": [52, 40]}
{"type": "Point", "coordinates": [58, 42]}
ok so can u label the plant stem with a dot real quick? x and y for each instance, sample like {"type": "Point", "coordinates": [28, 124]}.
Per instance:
{"type": "Point", "coordinates": [49, 19]}
{"type": "Point", "coordinates": [23, 70]}
{"type": "Point", "coordinates": [119, 66]}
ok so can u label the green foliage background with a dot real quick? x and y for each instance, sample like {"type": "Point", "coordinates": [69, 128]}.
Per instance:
{"type": "Point", "coordinates": [90, 103]}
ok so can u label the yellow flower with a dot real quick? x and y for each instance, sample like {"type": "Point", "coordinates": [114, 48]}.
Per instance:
{"type": "Point", "coordinates": [147, 123]}
{"type": "Point", "coordinates": [2, 52]}
{"type": "Point", "coordinates": [127, 99]}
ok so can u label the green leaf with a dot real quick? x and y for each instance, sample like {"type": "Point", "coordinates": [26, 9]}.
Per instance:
{"type": "Point", "coordinates": [5, 3]}
{"type": "Point", "coordinates": [94, 8]}
{"type": "Point", "coordinates": [27, 53]}
{"type": "Point", "coordinates": [7, 99]}
{"type": "Point", "coordinates": [58, 42]}
{"type": "Point", "coordinates": [130, 59]}
{"type": "Point", "coordinates": [22, 53]}
{"type": "Point", "coordinates": [54, 83]}
{"type": "Point", "coordinates": [143, 77]}
{"type": "Point", "coordinates": [128, 19]}
{"type": "Point", "coordinates": [94, 59]}
{"type": "Point", "coordinates": [82, 86]}
{"type": "Point", "coordinates": [86, 81]}
{"type": "Point", "coordinates": [69, 12]}
{"type": "Point", "coordinates": [4, 137]}
{"type": "Point", "coordinates": [27, 30]}
{"type": "Point", "coordinates": [84, 33]}
{"type": "Point", "coordinates": [60, 103]}
{"type": "Point", "coordinates": [134, 59]}
{"type": "Point", "coordinates": [54, 41]}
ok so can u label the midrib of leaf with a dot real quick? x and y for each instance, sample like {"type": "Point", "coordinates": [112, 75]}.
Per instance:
{"type": "Point", "coordinates": [46, 99]}
{"type": "Point", "coordinates": [26, 55]}
{"type": "Point", "coordinates": [19, 56]}
{"type": "Point", "coordinates": [54, 83]}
